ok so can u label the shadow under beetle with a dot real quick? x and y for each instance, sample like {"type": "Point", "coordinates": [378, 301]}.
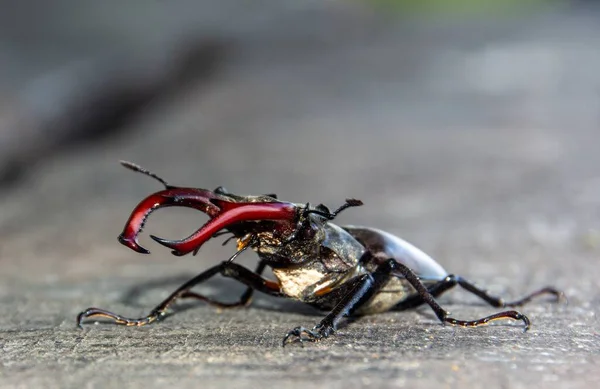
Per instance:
{"type": "Point", "coordinates": [346, 270]}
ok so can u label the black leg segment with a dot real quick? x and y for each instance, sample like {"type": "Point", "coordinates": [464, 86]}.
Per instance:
{"type": "Point", "coordinates": [361, 290]}
{"type": "Point", "coordinates": [364, 288]}
{"type": "Point", "coordinates": [228, 269]}
{"type": "Point", "coordinates": [453, 280]}
{"type": "Point", "coordinates": [244, 300]}
{"type": "Point", "coordinates": [427, 297]}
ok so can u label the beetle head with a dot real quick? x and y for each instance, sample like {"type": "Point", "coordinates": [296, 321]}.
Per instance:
{"type": "Point", "coordinates": [277, 228]}
{"type": "Point", "coordinates": [239, 214]}
{"type": "Point", "coordinates": [304, 243]}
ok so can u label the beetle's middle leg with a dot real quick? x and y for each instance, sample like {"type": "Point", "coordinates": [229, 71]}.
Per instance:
{"type": "Point", "coordinates": [228, 269]}
{"type": "Point", "coordinates": [453, 280]}
{"type": "Point", "coordinates": [362, 289]}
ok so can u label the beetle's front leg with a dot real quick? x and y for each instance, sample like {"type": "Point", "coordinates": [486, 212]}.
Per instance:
{"type": "Point", "coordinates": [231, 270]}
{"type": "Point", "coordinates": [243, 301]}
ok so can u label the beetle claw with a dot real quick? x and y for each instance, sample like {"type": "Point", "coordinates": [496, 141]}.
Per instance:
{"type": "Point", "coordinates": [165, 242]}
{"type": "Point", "coordinates": [172, 244]}
{"type": "Point", "coordinates": [199, 199]}
{"type": "Point", "coordinates": [133, 244]}
{"type": "Point", "coordinates": [302, 334]}
{"type": "Point", "coordinates": [229, 213]}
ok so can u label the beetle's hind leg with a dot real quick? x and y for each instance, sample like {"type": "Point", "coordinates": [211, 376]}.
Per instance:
{"type": "Point", "coordinates": [232, 270]}
{"type": "Point", "coordinates": [453, 280]}
{"type": "Point", "coordinates": [427, 297]}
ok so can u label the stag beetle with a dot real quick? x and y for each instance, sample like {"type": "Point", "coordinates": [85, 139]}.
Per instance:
{"type": "Point", "coordinates": [345, 270]}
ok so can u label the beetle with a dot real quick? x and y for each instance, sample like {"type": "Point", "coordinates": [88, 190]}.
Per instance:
{"type": "Point", "coordinates": [348, 271]}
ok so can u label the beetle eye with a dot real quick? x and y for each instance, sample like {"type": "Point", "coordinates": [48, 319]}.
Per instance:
{"type": "Point", "coordinates": [221, 190]}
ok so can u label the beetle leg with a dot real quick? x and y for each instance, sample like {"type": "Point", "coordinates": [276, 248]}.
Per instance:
{"type": "Point", "coordinates": [401, 270]}
{"type": "Point", "coordinates": [227, 269]}
{"type": "Point", "coordinates": [367, 285]}
{"type": "Point", "coordinates": [244, 300]}
{"type": "Point", "coordinates": [364, 287]}
{"type": "Point", "coordinates": [362, 290]}
{"type": "Point", "coordinates": [452, 280]}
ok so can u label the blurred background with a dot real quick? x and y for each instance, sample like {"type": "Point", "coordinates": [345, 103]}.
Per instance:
{"type": "Point", "coordinates": [437, 114]}
{"type": "Point", "coordinates": [467, 127]}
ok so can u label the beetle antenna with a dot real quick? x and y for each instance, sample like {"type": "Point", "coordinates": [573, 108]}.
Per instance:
{"type": "Point", "coordinates": [349, 203]}
{"type": "Point", "coordinates": [331, 215]}
{"type": "Point", "coordinates": [139, 169]}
